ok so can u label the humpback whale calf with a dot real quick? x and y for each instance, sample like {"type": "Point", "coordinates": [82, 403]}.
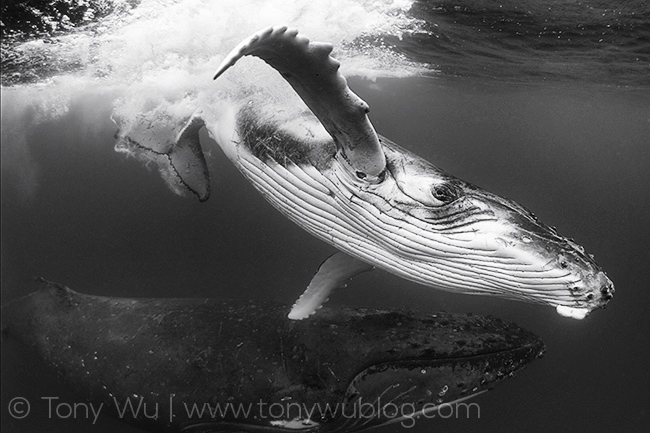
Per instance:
{"type": "Point", "coordinates": [207, 365]}
{"type": "Point", "coordinates": [327, 169]}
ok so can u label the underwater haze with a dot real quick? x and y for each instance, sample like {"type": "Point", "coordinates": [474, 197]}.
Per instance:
{"type": "Point", "coordinates": [545, 102]}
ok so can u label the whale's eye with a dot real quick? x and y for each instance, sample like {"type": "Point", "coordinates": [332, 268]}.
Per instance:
{"type": "Point", "coordinates": [445, 192]}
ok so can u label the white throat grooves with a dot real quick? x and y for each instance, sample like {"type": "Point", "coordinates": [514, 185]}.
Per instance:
{"type": "Point", "coordinates": [310, 199]}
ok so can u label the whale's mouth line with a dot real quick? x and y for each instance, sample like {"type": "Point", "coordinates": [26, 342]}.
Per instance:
{"type": "Point", "coordinates": [419, 362]}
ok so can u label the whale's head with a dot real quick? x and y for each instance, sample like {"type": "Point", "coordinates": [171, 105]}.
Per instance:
{"type": "Point", "coordinates": [450, 234]}
{"type": "Point", "coordinates": [404, 391]}
{"type": "Point", "coordinates": [393, 368]}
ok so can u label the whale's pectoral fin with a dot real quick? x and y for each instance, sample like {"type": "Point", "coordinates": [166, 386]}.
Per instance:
{"type": "Point", "coordinates": [174, 147]}
{"type": "Point", "coordinates": [333, 272]}
{"type": "Point", "coordinates": [315, 76]}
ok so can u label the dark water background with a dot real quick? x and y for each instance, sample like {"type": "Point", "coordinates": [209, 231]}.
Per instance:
{"type": "Point", "coordinates": [530, 104]}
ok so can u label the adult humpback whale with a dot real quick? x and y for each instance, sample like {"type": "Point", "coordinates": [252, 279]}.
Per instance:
{"type": "Point", "coordinates": [204, 365]}
{"type": "Point", "coordinates": [327, 170]}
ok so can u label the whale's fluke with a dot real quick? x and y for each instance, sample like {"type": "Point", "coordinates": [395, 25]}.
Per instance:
{"type": "Point", "coordinates": [174, 147]}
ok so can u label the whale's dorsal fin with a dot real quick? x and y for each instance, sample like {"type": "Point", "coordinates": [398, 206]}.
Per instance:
{"type": "Point", "coordinates": [315, 76]}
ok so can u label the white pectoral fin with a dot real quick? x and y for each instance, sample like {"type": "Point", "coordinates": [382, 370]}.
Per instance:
{"type": "Point", "coordinates": [333, 273]}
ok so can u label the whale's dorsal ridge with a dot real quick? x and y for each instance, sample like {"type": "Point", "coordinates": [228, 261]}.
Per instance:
{"type": "Point", "coordinates": [315, 76]}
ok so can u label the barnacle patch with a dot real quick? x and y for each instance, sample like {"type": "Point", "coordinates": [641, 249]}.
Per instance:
{"type": "Point", "coordinates": [268, 139]}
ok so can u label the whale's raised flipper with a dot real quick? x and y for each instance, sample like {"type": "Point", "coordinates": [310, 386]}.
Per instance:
{"type": "Point", "coordinates": [314, 74]}
{"type": "Point", "coordinates": [180, 157]}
